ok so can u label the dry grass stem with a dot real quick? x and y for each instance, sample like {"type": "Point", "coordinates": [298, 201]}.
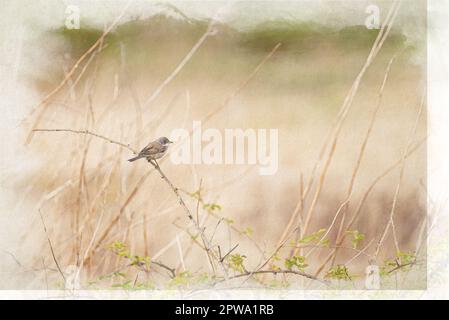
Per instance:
{"type": "Point", "coordinates": [398, 186]}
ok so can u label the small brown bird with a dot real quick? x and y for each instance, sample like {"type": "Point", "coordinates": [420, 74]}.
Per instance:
{"type": "Point", "coordinates": [154, 150]}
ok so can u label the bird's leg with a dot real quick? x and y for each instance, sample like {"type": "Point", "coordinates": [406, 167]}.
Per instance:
{"type": "Point", "coordinates": [154, 163]}
{"type": "Point", "coordinates": [156, 166]}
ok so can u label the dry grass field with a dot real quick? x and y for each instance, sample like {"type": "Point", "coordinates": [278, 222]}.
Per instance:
{"type": "Point", "coordinates": [349, 192]}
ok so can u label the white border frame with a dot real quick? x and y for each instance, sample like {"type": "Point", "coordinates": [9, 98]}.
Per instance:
{"type": "Point", "coordinates": [438, 180]}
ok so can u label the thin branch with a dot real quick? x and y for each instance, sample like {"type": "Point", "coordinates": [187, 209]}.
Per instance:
{"type": "Point", "coordinates": [400, 266]}
{"type": "Point", "coordinates": [69, 74]}
{"type": "Point", "coordinates": [279, 247]}
{"type": "Point", "coordinates": [215, 229]}
{"type": "Point", "coordinates": [240, 232]}
{"type": "Point", "coordinates": [198, 201]}
{"type": "Point", "coordinates": [171, 270]}
{"type": "Point", "coordinates": [363, 147]}
{"type": "Point", "coordinates": [275, 272]}
{"type": "Point", "coordinates": [181, 256]}
{"type": "Point", "coordinates": [343, 114]}
{"type": "Point", "coordinates": [398, 186]}
{"type": "Point", "coordinates": [358, 210]}
{"type": "Point", "coordinates": [187, 211]}
{"type": "Point", "coordinates": [51, 248]}
{"type": "Point", "coordinates": [178, 68]}
{"type": "Point", "coordinates": [334, 133]}
{"type": "Point", "coordinates": [127, 146]}
{"type": "Point", "coordinates": [176, 192]}
{"type": "Point", "coordinates": [117, 217]}
{"type": "Point", "coordinates": [362, 150]}
{"type": "Point", "coordinates": [360, 252]}
{"type": "Point", "coordinates": [331, 225]}
{"type": "Point", "coordinates": [13, 257]}
{"type": "Point", "coordinates": [229, 252]}
{"type": "Point", "coordinates": [45, 272]}
{"type": "Point", "coordinates": [242, 85]}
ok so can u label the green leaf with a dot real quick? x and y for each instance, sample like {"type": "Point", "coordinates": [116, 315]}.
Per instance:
{"type": "Point", "coordinates": [296, 261]}
{"type": "Point", "coordinates": [248, 231]}
{"type": "Point", "coordinates": [196, 195]}
{"type": "Point", "coordinates": [228, 221]}
{"type": "Point", "coordinates": [313, 237]}
{"type": "Point", "coordinates": [212, 207]}
{"type": "Point", "coordinates": [324, 242]}
{"type": "Point", "coordinates": [339, 272]}
{"type": "Point", "coordinates": [235, 262]}
{"type": "Point", "coordinates": [181, 279]}
{"type": "Point", "coordinates": [275, 267]}
{"type": "Point", "coordinates": [406, 257]}
{"type": "Point", "coordinates": [357, 237]}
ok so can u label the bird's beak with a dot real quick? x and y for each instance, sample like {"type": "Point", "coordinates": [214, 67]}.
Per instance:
{"type": "Point", "coordinates": [170, 141]}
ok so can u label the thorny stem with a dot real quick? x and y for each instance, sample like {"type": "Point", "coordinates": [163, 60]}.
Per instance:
{"type": "Point", "coordinates": [187, 211]}
{"type": "Point", "coordinates": [275, 272]}
{"type": "Point", "coordinates": [176, 192]}
{"type": "Point", "coordinates": [127, 146]}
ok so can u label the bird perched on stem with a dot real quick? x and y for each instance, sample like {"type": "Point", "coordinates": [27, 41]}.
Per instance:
{"type": "Point", "coordinates": [154, 150]}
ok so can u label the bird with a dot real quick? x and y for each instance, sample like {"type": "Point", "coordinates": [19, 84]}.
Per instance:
{"type": "Point", "coordinates": [154, 150]}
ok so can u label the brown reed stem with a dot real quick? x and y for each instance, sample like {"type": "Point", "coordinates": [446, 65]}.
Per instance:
{"type": "Point", "coordinates": [51, 248]}
{"type": "Point", "coordinates": [398, 186]}
{"type": "Point", "coordinates": [117, 217]}
{"type": "Point", "coordinates": [69, 74]}
{"type": "Point", "coordinates": [358, 211]}
{"type": "Point", "coordinates": [178, 68]}
{"type": "Point", "coordinates": [362, 152]}
{"type": "Point", "coordinates": [187, 211]}
{"type": "Point", "coordinates": [134, 192]}
{"type": "Point", "coordinates": [340, 120]}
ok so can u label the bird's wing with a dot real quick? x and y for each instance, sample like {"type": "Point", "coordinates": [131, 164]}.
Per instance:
{"type": "Point", "coordinates": [151, 148]}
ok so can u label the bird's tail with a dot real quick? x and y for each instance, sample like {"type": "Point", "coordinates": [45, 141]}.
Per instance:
{"type": "Point", "coordinates": [135, 158]}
